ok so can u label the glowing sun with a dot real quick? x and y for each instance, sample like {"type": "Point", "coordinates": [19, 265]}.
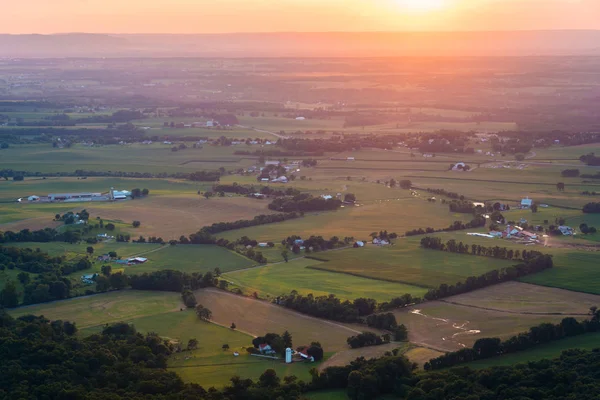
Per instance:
{"type": "Point", "coordinates": [422, 5]}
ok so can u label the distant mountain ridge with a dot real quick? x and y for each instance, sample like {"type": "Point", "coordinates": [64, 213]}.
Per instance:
{"type": "Point", "coordinates": [289, 44]}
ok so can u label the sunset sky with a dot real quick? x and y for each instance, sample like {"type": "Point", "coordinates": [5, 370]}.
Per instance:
{"type": "Point", "coordinates": [216, 16]}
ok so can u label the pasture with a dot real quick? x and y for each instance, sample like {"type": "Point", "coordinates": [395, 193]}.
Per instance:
{"type": "Point", "coordinates": [92, 312]}
{"type": "Point", "coordinates": [394, 214]}
{"type": "Point", "coordinates": [301, 275]}
{"type": "Point", "coordinates": [575, 267]}
{"type": "Point", "coordinates": [406, 262]}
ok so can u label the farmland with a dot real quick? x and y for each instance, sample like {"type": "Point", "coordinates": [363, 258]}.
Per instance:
{"type": "Point", "coordinates": [258, 317]}
{"type": "Point", "coordinates": [406, 262]}
{"type": "Point", "coordinates": [282, 278]}
{"type": "Point", "coordinates": [500, 311]}
{"type": "Point", "coordinates": [374, 130]}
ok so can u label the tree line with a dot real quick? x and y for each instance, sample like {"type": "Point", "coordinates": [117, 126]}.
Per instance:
{"type": "Point", "coordinates": [476, 222]}
{"type": "Point", "coordinates": [246, 190]}
{"type": "Point", "coordinates": [304, 202]}
{"type": "Point", "coordinates": [199, 176]}
{"type": "Point", "coordinates": [503, 253]}
{"type": "Point", "coordinates": [591, 208]}
{"type": "Point", "coordinates": [540, 334]}
{"type": "Point", "coordinates": [219, 227]}
{"type": "Point", "coordinates": [490, 278]}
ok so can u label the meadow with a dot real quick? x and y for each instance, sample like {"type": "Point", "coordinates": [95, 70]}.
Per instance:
{"type": "Point", "coordinates": [274, 280]}
{"type": "Point", "coordinates": [393, 213]}
{"type": "Point", "coordinates": [405, 262]}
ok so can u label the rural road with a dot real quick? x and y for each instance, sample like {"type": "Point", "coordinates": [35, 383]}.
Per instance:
{"type": "Point", "coordinates": [264, 131]}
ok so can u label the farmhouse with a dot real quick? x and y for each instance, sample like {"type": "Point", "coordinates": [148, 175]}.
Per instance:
{"type": "Point", "coordinates": [566, 230]}
{"type": "Point", "coordinates": [380, 242]}
{"type": "Point", "coordinates": [526, 203]}
{"type": "Point", "coordinates": [265, 349]}
{"type": "Point", "coordinates": [120, 194]}
{"type": "Point", "coordinates": [281, 179]}
{"type": "Point", "coordinates": [274, 163]}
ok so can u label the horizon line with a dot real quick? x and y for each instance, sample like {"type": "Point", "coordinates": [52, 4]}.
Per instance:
{"type": "Point", "coordinates": [299, 32]}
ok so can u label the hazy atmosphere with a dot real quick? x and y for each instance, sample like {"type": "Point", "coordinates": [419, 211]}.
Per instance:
{"type": "Point", "coordinates": [300, 200]}
{"type": "Point", "coordinates": [205, 16]}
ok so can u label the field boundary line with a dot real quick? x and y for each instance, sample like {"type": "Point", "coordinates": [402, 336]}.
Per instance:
{"type": "Point", "coordinates": [510, 312]}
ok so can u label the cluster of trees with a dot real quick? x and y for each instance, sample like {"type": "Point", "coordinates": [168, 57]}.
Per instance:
{"type": "Point", "coordinates": [277, 342]}
{"type": "Point", "coordinates": [476, 222]}
{"type": "Point", "coordinates": [461, 206]}
{"type": "Point", "coordinates": [591, 208]}
{"type": "Point", "coordinates": [591, 176]}
{"type": "Point", "coordinates": [199, 176]}
{"type": "Point", "coordinates": [246, 190]}
{"type": "Point", "coordinates": [41, 236]}
{"type": "Point", "coordinates": [387, 321]}
{"type": "Point", "coordinates": [50, 283]}
{"type": "Point", "coordinates": [317, 243]}
{"type": "Point", "coordinates": [588, 193]}
{"type": "Point", "coordinates": [171, 281]}
{"type": "Point", "coordinates": [540, 334]}
{"type": "Point", "coordinates": [570, 173]}
{"type": "Point", "coordinates": [585, 229]}
{"type": "Point", "coordinates": [368, 339]}
{"type": "Point", "coordinates": [330, 307]}
{"type": "Point", "coordinates": [189, 299]}
{"type": "Point", "coordinates": [137, 192]}
{"type": "Point", "coordinates": [304, 202]}
{"type": "Point", "coordinates": [531, 266]}
{"type": "Point", "coordinates": [277, 153]}
{"type": "Point", "coordinates": [443, 192]}
{"type": "Point", "coordinates": [590, 159]}
{"type": "Point", "coordinates": [84, 367]}
{"type": "Point", "coordinates": [245, 223]}
{"type": "Point", "coordinates": [503, 253]}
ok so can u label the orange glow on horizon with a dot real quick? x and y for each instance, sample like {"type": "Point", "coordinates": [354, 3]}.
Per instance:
{"type": "Point", "coordinates": [422, 5]}
{"type": "Point", "coordinates": [209, 16]}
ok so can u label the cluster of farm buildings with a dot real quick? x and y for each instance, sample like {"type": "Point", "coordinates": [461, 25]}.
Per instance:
{"type": "Point", "coordinates": [112, 195]}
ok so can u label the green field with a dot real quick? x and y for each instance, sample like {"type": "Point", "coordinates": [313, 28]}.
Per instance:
{"type": "Point", "coordinates": [586, 341]}
{"type": "Point", "coordinates": [159, 312]}
{"type": "Point", "coordinates": [393, 214]}
{"type": "Point", "coordinates": [282, 278]}
{"type": "Point", "coordinates": [406, 262]}
{"type": "Point", "coordinates": [92, 312]}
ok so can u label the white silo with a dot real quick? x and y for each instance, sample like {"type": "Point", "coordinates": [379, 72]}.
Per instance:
{"type": "Point", "coordinates": [288, 355]}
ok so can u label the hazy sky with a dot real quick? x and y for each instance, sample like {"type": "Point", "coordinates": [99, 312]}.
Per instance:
{"type": "Point", "coordinates": [207, 16]}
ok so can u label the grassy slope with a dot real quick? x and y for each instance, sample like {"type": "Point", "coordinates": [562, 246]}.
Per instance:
{"type": "Point", "coordinates": [282, 278]}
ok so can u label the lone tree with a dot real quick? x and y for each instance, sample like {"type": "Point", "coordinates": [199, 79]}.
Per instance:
{"type": "Point", "coordinates": [287, 339]}
{"type": "Point", "coordinates": [106, 269]}
{"type": "Point", "coordinates": [203, 313]}
{"type": "Point", "coordinates": [136, 224]}
{"type": "Point", "coordinates": [284, 254]}
{"type": "Point", "coordinates": [225, 347]}
{"type": "Point", "coordinates": [350, 198]}
{"type": "Point", "coordinates": [192, 344]}
{"type": "Point", "coordinates": [145, 192]}
{"type": "Point", "coordinates": [233, 326]}
{"type": "Point", "coordinates": [560, 186]}
{"type": "Point", "coordinates": [90, 250]}
{"type": "Point", "coordinates": [534, 208]}
{"type": "Point", "coordinates": [405, 184]}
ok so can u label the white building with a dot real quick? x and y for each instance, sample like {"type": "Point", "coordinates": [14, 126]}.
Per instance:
{"type": "Point", "coordinates": [526, 203]}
